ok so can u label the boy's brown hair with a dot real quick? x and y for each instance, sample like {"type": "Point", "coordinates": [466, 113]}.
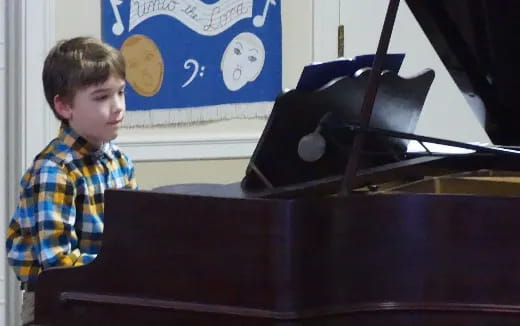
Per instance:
{"type": "Point", "coordinates": [77, 63]}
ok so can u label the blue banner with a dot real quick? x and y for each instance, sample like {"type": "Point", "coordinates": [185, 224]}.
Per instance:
{"type": "Point", "coordinates": [196, 53]}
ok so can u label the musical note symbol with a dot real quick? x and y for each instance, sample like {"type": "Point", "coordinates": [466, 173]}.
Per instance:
{"type": "Point", "coordinates": [259, 20]}
{"type": "Point", "coordinates": [192, 63]}
{"type": "Point", "coordinates": [118, 27]}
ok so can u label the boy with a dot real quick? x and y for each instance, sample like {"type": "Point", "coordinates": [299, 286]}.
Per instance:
{"type": "Point", "coordinates": [59, 217]}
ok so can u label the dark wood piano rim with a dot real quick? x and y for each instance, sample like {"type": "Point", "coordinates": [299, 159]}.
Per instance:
{"type": "Point", "coordinates": [81, 297]}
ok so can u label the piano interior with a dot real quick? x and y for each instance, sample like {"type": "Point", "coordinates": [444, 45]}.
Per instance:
{"type": "Point", "coordinates": [427, 237]}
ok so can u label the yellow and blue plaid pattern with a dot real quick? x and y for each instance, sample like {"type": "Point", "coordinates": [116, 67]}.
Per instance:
{"type": "Point", "coordinates": [59, 217]}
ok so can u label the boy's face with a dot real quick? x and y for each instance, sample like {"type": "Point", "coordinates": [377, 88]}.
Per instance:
{"type": "Point", "coordinates": [97, 111]}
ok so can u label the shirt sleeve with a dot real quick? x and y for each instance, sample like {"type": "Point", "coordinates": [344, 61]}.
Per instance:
{"type": "Point", "coordinates": [52, 201]}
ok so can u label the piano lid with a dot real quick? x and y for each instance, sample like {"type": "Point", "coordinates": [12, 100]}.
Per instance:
{"type": "Point", "coordinates": [477, 42]}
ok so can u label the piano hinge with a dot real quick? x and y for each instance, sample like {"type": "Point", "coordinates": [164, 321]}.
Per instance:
{"type": "Point", "coordinates": [341, 41]}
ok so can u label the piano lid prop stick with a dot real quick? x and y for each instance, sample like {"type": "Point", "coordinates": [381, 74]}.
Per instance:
{"type": "Point", "coordinates": [370, 96]}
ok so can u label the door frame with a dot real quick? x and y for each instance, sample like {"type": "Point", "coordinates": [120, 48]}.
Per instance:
{"type": "Point", "coordinates": [28, 120]}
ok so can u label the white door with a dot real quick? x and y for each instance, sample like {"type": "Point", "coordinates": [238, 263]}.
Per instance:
{"type": "Point", "coordinates": [3, 160]}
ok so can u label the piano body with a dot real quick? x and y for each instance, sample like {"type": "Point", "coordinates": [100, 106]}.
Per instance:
{"type": "Point", "coordinates": [415, 240]}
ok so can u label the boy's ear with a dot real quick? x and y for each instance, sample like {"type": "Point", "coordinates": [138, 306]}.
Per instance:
{"type": "Point", "coordinates": [62, 107]}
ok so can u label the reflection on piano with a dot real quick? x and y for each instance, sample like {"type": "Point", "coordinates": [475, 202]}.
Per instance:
{"type": "Point", "coordinates": [422, 238]}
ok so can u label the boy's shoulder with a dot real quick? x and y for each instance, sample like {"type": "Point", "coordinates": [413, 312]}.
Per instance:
{"type": "Point", "coordinates": [56, 153]}
{"type": "Point", "coordinates": [51, 159]}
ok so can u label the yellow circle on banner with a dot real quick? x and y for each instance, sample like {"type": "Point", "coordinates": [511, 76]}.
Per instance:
{"type": "Point", "coordinates": [144, 64]}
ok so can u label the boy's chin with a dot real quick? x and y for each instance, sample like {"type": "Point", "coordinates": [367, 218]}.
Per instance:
{"type": "Point", "coordinates": [110, 136]}
{"type": "Point", "coordinates": [113, 136]}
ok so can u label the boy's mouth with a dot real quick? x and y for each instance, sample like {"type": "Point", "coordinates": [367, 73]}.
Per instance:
{"type": "Point", "coordinates": [114, 122]}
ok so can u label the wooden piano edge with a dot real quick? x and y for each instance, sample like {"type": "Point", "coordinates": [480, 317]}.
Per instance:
{"type": "Point", "coordinates": [81, 297]}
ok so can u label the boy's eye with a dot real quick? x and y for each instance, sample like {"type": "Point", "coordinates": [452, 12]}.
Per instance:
{"type": "Point", "coordinates": [100, 98]}
{"type": "Point", "coordinates": [237, 51]}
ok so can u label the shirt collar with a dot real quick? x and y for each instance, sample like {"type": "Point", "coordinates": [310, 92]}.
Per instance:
{"type": "Point", "coordinates": [80, 145]}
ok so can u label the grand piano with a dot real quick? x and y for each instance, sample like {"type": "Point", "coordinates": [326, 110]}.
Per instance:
{"type": "Point", "coordinates": [335, 222]}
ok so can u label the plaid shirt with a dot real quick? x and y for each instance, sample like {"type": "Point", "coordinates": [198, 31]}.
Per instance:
{"type": "Point", "coordinates": [59, 217]}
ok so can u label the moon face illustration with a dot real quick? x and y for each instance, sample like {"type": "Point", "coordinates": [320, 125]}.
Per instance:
{"type": "Point", "coordinates": [242, 60]}
{"type": "Point", "coordinates": [144, 64]}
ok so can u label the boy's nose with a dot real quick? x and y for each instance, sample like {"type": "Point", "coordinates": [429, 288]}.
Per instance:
{"type": "Point", "coordinates": [118, 104]}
